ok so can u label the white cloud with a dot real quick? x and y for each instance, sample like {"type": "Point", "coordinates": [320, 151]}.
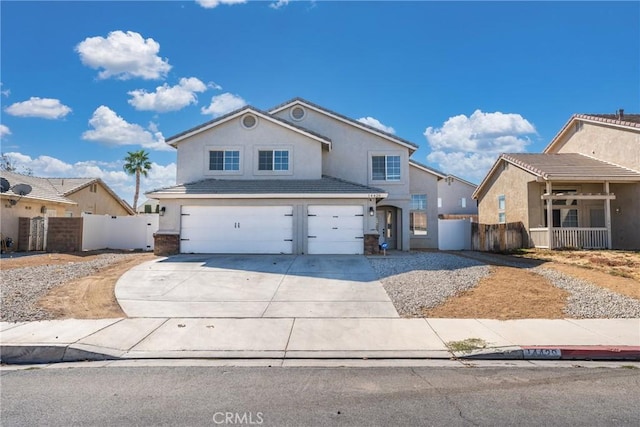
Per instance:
{"type": "Point", "coordinates": [168, 98]}
{"type": "Point", "coordinates": [46, 108]}
{"type": "Point", "coordinates": [123, 55]}
{"type": "Point", "coordinates": [376, 124]}
{"type": "Point", "coordinates": [5, 92]}
{"type": "Point", "coordinates": [111, 129]}
{"type": "Point", "coordinates": [4, 131]}
{"type": "Point", "coordinates": [223, 104]}
{"type": "Point", "coordinates": [111, 173]}
{"type": "Point", "coordinates": [278, 4]}
{"type": "Point", "coordinates": [210, 4]}
{"type": "Point", "coordinates": [468, 146]}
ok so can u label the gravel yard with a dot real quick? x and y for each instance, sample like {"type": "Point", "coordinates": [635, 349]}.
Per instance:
{"type": "Point", "coordinates": [418, 281]}
{"type": "Point", "coordinates": [22, 288]}
{"type": "Point", "coordinates": [421, 280]}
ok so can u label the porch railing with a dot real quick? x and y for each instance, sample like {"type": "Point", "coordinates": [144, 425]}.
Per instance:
{"type": "Point", "coordinates": [570, 237]}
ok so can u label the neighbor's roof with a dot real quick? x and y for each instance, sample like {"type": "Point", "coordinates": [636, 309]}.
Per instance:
{"type": "Point", "coordinates": [427, 168]}
{"type": "Point", "coordinates": [629, 122]}
{"type": "Point", "coordinates": [389, 136]}
{"type": "Point", "coordinates": [563, 167]}
{"type": "Point", "coordinates": [262, 188]}
{"type": "Point", "coordinates": [41, 188]}
{"type": "Point", "coordinates": [56, 189]}
{"type": "Point", "coordinates": [173, 140]}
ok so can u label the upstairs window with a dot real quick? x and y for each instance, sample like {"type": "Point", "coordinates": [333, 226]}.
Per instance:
{"type": "Point", "coordinates": [227, 160]}
{"type": "Point", "coordinates": [273, 160]}
{"type": "Point", "coordinates": [385, 168]}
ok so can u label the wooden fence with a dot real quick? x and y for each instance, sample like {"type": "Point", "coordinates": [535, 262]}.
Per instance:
{"type": "Point", "coordinates": [498, 237]}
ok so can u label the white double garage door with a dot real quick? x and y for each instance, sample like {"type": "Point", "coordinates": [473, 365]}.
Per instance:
{"type": "Point", "coordinates": [335, 229]}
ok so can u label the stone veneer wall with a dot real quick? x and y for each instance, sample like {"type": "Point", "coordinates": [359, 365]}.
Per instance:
{"type": "Point", "coordinates": [371, 246]}
{"type": "Point", "coordinates": [166, 244]}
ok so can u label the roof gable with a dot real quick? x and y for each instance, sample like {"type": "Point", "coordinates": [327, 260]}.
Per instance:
{"type": "Point", "coordinates": [344, 119]}
{"type": "Point", "coordinates": [562, 167]}
{"type": "Point", "coordinates": [57, 190]}
{"type": "Point", "coordinates": [629, 122]}
{"type": "Point", "coordinates": [175, 139]}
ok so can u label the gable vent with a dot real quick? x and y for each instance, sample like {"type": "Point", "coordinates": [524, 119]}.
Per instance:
{"type": "Point", "coordinates": [249, 121]}
{"type": "Point", "coordinates": [298, 113]}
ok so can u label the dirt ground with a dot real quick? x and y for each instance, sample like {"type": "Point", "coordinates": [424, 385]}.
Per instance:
{"type": "Point", "coordinates": [515, 293]}
{"type": "Point", "coordinates": [508, 293]}
{"type": "Point", "coordinates": [90, 297]}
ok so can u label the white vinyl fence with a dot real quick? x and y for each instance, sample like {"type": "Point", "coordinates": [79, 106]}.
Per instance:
{"type": "Point", "coordinates": [454, 234]}
{"type": "Point", "coordinates": [118, 232]}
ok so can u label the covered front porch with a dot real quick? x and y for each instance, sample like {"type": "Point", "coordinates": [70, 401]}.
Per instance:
{"type": "Point", "coordinates": [574, 219]}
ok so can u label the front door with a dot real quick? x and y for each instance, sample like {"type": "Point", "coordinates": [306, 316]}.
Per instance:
{"type": "Point", "coordinates": [386, 219]}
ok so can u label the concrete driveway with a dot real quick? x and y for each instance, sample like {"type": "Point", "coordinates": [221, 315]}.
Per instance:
{"type": "Point", "coordinates": [254, 286]}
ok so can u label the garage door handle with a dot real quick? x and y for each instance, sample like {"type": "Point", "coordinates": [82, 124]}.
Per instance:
{"type": "Point", "coordinates": [312, 237]}
{"type": "Point", "coordinates": [358, 237]}
{"type": "Point", "coordinates": [184, 240]}
{"type": "Point", "coordinates": [334, 228]}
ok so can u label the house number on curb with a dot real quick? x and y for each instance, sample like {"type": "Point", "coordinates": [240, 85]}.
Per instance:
{"type": "Point", "coordinates": [542, 353]}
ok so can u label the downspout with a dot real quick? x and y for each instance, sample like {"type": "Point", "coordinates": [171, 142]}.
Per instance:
{"type": "Point", "coordinates": [607, 215]}
{"type": "Point", "coordinates": [549, 216]}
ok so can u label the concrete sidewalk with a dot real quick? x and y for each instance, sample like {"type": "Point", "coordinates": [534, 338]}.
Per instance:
{"type": "Point", "coordinates": [318, 338]}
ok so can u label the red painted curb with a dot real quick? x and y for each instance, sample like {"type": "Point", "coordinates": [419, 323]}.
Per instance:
{"type": "Point", "coordinates": [592, 352]}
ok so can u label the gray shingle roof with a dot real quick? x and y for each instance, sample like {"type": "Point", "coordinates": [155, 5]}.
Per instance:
{"type": "Point", "coordinates": [245, 108]}
{"type": "Point", "coordinates": [570, 166]}
{"type": "Point", "coordinates": [348, 119]}
{"type": "Point", "coordinates": [41, 188]}
{"type": "Point", "coordinates": [326, 185]}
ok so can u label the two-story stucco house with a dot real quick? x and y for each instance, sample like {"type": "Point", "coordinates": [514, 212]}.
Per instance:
{"type": "Point", "coordinates": [455, 198]}
{"type": "Point", "coordinates": [583, 191]}
{"type": "Point", "coordinates": [298, 179]}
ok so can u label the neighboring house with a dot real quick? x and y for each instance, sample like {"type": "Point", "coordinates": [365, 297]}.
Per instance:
{"type": "Point", "coordinates": [455, 198]}
{"type": "Point", "coordinates": [149, 206]}
{"type": "Point", "coordinates": [56, 197]}
{"type": "Point", "coordinates": [582, 191]}
{"type": "Point", "coordinates": [297, 179]}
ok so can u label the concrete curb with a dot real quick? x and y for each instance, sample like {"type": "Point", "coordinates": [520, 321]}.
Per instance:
{"type": "Point", "coordinates": [40, 354]}
{"type": "Point", "coordinates": [596, 352]}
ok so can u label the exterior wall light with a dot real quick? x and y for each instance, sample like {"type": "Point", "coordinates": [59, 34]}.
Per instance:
{"type": "Point", "coordinates": [371, 211]}
{"type": "Point", "coordinates": [162, 210]}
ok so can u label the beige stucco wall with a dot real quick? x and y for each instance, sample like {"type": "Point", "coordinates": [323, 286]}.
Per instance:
{"type": "Point", "coordinates": [451, 193]}
{"type": "Point", "coordinates": [425, 183]}
{"type": "Point", "coordinates": [25, 208]}
{"type": "Point", "coordinates": [615, 145]}
{"type": "Point", "coordinates": [99, 203]}
{"type": "Point", "coordinates": [170, 221]}
{"type": "Point", "coordinates": [510, 182]}
{"type": "Point", "coordinates": [350, 159]}
{"type": "Point", "coordinates": [625, 216]}
{"type": "Point", "coordinates": [193, 153]}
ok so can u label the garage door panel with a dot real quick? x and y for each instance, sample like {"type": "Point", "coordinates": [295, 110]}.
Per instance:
{"type": "Point", "coordinates": [237, 229]}
{"type": "Point", "coordinates": [335, 229]}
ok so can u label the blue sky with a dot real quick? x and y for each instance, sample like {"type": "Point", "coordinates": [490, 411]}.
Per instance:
{"type": "Point", "coordinates": [85, 82]}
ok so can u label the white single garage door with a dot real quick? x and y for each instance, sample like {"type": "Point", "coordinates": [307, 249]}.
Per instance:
{"type": "Point", "coordinates": [335, 230]}
{"type": "Point", "coordinates": [237, 229]}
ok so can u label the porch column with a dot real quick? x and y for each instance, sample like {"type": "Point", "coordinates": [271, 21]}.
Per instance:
{"type": "Point", "coordinates": [607, 214]}
{"type": "Point", "coordinates": [549, 216]}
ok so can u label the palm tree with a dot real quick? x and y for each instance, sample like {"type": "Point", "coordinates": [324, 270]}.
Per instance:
{"type": "Point", "coordinates": [137, 163]}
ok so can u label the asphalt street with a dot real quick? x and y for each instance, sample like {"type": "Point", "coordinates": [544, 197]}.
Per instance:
{"type": "Point", "coordinates": [277, 396]}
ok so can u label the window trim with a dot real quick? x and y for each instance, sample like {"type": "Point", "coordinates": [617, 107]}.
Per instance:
{"type": "Point", "coordinates": [273, 149]}
{"type": "Point", "coordinates": [403, 171]}
{"type": "Point", "coordinates": [209, 148]}
{"type": "Point", "coordinates": [423, 211]}
{"type": "Point", "coordinates": [502, 209]}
